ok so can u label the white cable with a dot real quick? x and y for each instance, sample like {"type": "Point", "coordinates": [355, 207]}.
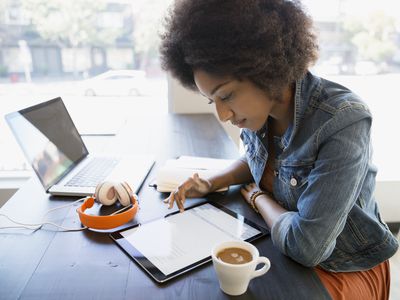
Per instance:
{"type": "Point", "coordinates": [62, 206]}
{"type": "Point", "coordinates": [37, 226]}
{"type": "Point", "coordinates": [28, 226]}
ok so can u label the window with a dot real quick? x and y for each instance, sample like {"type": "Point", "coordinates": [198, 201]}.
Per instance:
{"type": "Point", "coordinates": [93, 54]}
{"type": "Point", "coordinates": [58, 49]}
{"type": "Point", "coordinates": [360, 48]}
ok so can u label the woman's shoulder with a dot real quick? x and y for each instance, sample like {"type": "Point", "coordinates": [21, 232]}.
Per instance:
{"type": "Point", "coordinates": [331, 104]}
{"type": "Point", "coordinates": [334, 97]}
{"type": "Point", "coordinates": [328, 107]}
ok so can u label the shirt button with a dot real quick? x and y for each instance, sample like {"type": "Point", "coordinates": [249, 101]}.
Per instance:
{"type": "Point", "coordinates": [293, 181]}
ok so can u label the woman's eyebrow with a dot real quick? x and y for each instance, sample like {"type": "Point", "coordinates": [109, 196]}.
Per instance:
{"type": "Point", "coordinates": [215, 89]}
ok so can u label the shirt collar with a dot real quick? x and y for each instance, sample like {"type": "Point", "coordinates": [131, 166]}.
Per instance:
{"type": "Point", "coordinates": [306, 90]}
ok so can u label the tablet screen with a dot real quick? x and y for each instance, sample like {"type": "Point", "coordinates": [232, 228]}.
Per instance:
{"type": "Point", "coordinates": [182, 241]}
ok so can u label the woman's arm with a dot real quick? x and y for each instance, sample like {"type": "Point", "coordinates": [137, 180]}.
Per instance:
{"type": "Point", "coordinates": [237, 173]}
{"type": "Point", "coordinates": [309, 234]}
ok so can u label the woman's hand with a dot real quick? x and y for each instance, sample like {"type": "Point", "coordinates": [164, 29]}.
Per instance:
{"type": "Point", "coordinates": [269, 209]}
{"type": "Point", "coordinates": [247, 190]}
{"type": "Point", "coordinates": [193, 187]}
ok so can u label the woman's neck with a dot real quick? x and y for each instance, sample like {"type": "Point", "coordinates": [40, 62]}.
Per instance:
{"type": "Point", "coordinates": [282, 113]}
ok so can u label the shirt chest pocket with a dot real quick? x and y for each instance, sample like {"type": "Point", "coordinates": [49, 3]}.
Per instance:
{"type": "Point", "coordinates": [293, 179]}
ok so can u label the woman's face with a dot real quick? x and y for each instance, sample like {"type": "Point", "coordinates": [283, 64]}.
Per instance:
{"type": "Point", "coordinates": [240, 102]}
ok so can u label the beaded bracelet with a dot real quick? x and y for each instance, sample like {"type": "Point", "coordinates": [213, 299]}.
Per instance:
{"type": "Point", "coordinates": [253, 198]}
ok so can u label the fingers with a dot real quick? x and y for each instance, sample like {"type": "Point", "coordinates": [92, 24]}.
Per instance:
{"type": "Point", "coordinates": [249, 187]}
{"type": "Point", "coordinates": [180, 202]}
{"type": "Point", "coordinates": [177, 196]}
{"type": "Point", "coordinates": [247, 190]}
{"type": "Point", "coordinates": [186, 189]}
{"type": "Point", "coordinates": [244, 192]}
{"type": "Point", "coordinates": [170, 200]}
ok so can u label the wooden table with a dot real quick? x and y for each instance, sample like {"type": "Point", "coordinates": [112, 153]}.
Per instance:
{"type": "Point", "coordinates": [47, 264]}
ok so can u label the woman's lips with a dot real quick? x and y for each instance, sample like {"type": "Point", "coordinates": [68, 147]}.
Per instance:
{"type": "Point", "coordinates": [239, 123]}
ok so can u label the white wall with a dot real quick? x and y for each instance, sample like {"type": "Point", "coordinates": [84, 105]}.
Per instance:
{"type": "Point", "coordinates": [387, 194]}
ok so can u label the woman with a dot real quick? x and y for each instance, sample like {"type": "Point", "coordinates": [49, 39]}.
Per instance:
{"type": "Point", "coordinates": [307, 140]}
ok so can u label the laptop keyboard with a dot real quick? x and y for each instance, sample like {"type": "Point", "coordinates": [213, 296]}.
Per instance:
{"type": "Point", "coordinates": [94, 172]}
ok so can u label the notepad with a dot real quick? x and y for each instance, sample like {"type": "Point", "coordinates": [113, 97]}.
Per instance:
{"type": "Point", "coordinates": [176, 171]}
{"type": "Point", "coordinates": [180, 242]}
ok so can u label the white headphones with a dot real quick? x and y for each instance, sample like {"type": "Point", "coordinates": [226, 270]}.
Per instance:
{"type": "Point", "coordinates": [109, 192]}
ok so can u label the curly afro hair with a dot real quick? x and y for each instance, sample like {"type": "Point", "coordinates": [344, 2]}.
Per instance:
{"type": "Point", "coordinates": [269, 42]}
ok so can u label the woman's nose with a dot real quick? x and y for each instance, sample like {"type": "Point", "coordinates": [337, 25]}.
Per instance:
{"type": "Point", "coordinates": [224, 111]}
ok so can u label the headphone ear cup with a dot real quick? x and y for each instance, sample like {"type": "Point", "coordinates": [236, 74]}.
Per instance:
{"type": "Point", "coordinates": [123, 192]}
{"type": "Point", "coordinates": [105, 193]}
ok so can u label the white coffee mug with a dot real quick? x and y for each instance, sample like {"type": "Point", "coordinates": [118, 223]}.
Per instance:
{"type": "Point", "coordinates": [234, 278]}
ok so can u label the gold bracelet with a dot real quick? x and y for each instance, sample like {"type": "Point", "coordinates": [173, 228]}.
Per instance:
{"type": "Point", "coordinates": [253, 198]}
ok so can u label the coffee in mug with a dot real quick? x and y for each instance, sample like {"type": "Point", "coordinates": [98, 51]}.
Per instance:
{"type": "Point", "coordinates": [235, 263]}
{"type": "Point", "coordinates": [235, 256]}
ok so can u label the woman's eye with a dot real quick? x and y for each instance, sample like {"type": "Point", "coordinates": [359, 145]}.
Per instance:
{"type": "Point", "coordinates": [227, 97]}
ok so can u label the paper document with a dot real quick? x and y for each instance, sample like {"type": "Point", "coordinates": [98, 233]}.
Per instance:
{"type": "Point", "coordinates": [175, 171]}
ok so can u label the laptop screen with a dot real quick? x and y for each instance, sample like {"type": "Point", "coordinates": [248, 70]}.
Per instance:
{"type": "Point", "coordinates": [49, 139]}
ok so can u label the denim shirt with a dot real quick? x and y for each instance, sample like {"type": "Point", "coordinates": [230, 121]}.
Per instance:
{"type": "Point", "coordinates": [325, 179]}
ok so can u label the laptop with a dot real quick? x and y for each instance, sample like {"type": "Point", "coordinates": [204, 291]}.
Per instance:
{"type": "Point", "coordinates": [55, 150]}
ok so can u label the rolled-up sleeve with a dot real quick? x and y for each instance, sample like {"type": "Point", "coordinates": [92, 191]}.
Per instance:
{"type": "Point", "coordinates": [309, 234]}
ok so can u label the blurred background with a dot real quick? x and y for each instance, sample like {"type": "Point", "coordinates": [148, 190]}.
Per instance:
{"type": "Point", "coordinates": [101, 58]}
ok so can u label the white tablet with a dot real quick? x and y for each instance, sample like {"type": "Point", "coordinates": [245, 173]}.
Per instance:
{"type": "Point", "coordinates": [179, 242]}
